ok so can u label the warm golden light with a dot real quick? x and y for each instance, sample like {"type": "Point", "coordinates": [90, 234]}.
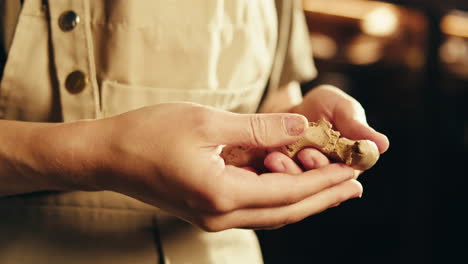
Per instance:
{"type": "Point", "coordinates": [374, 18]}
{"type": "Point", "coordinates": [454, 50]}
{"type": "Point", "coordinates": [324, 46]}
{"type": "Point", "coordinates": [381, 21]}
{"type": "Point", "coordinates": [355, 9]}
{"type": "Point", "coordinates": [455, 24]}
{"type": "Point", "coordinates": [364, 50]}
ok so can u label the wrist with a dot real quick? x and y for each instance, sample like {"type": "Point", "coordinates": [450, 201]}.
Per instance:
{"type": "Point", "coordinates": [65, 156]}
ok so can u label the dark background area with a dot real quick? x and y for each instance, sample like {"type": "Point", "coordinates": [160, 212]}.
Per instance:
{"type": "Point", "coordinates": [413, 207]}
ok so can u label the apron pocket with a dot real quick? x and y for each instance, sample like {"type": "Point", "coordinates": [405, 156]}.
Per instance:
{"type": "Point", "coordinates": [118, 98]}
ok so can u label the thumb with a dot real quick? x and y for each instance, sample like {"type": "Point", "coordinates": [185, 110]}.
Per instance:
{"type": "Point", "coordinates": [258, 130]}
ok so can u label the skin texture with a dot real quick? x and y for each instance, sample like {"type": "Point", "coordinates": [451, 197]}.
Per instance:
{"type": "Point", "coordinates": [168, 155]}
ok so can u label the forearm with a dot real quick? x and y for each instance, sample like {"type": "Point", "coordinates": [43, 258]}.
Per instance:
{"type": "Point", "coordinates": [40, 156]}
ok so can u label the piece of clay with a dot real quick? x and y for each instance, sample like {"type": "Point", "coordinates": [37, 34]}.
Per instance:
{"type": "Point", "coordinates": [241, 156]}
{"type": "Point", "coordinates": [358, 154]}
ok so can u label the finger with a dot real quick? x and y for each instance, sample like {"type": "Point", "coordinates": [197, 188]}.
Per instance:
{"type": "Point", "coordinates": [255, 130]}
{"type": "Point", "coordinates": [278, 216]}
{"type": "Point", "coordinates": [278, 162]}
{"type": "Point", "coordinates": [350, 120]}
{"type": "Point", "coordinates": [357, 173]}
{"type": "Point", "coordinates": [311, 158]}
{"type": "Point", "coordinates": [262, 227]}
{"type": "Point", "coordinates": [248, 168]}
{"type": "Point", "coordinates": [247, 189]}
{"type": "Point", "coordinates": [354, 129]}
{"type": "Point", "coordinates": [282, 225]}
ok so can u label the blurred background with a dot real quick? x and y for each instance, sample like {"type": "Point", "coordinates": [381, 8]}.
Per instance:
{"type": "Point", "coordinates": [407, 63]}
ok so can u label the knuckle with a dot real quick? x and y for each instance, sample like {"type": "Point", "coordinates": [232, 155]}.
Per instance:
{"type": "Point", "coordinates": [216, 201]}
{"type": "Point", "coordinates": [334, 178]}
{"type": "Point", "coordinates": [212, 196]}
{"type": "Point", "coordinates": [289, 200]}
{"type": "Point", "coordinates": [220, 205]}
{"type": "Point", "coordinates": [291, 197]}
{"type": "Point", "coordinates": [330, 179]}
{"type": "Point", "coordinates": [357, 107]}
{"type": "Point", "coordinates": [201, 119]}
{"type": "Point", "coordinates": [203, 203]}
{"type": "Point", "coordinates": [258, 130]}
{"type": "Point", "coordinates": [210, 224]}
{"type": "Point", "coordinates": [289, 219]}
{"type": "Point", "coordinates": [286, 201]}
{"type": "Point", "coordinates": [357, 110]}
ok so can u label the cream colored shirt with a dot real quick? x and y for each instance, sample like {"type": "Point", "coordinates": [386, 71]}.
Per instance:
{"type": "Point", "coordinates": [133, 54]}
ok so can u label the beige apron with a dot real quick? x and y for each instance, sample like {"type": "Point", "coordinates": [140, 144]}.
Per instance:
{"type": "Point", "coordinates": [86, 59]}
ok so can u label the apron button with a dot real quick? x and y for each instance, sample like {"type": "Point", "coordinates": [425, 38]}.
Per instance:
{"type": "Point", "coordinates": [76, 82]}
{"type": "Point", "coordinates": [68, 21]}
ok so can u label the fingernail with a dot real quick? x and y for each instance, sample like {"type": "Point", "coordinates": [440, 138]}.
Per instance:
{"type": "Point", "coordinates": [357, 195]}
{"type": "Point", "coordinates": [295, 125]}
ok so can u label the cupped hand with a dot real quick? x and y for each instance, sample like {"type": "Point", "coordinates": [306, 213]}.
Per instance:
{"type": "Point", "coordinates": [168, 155]}
{"type": "Point", "coordinates": [344, 112]}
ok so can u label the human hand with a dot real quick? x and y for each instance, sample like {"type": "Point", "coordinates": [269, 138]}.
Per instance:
{"type": "Point", "coordinates": [168, 156]}
{"type": "Point", "coordinates": [343, 111]}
